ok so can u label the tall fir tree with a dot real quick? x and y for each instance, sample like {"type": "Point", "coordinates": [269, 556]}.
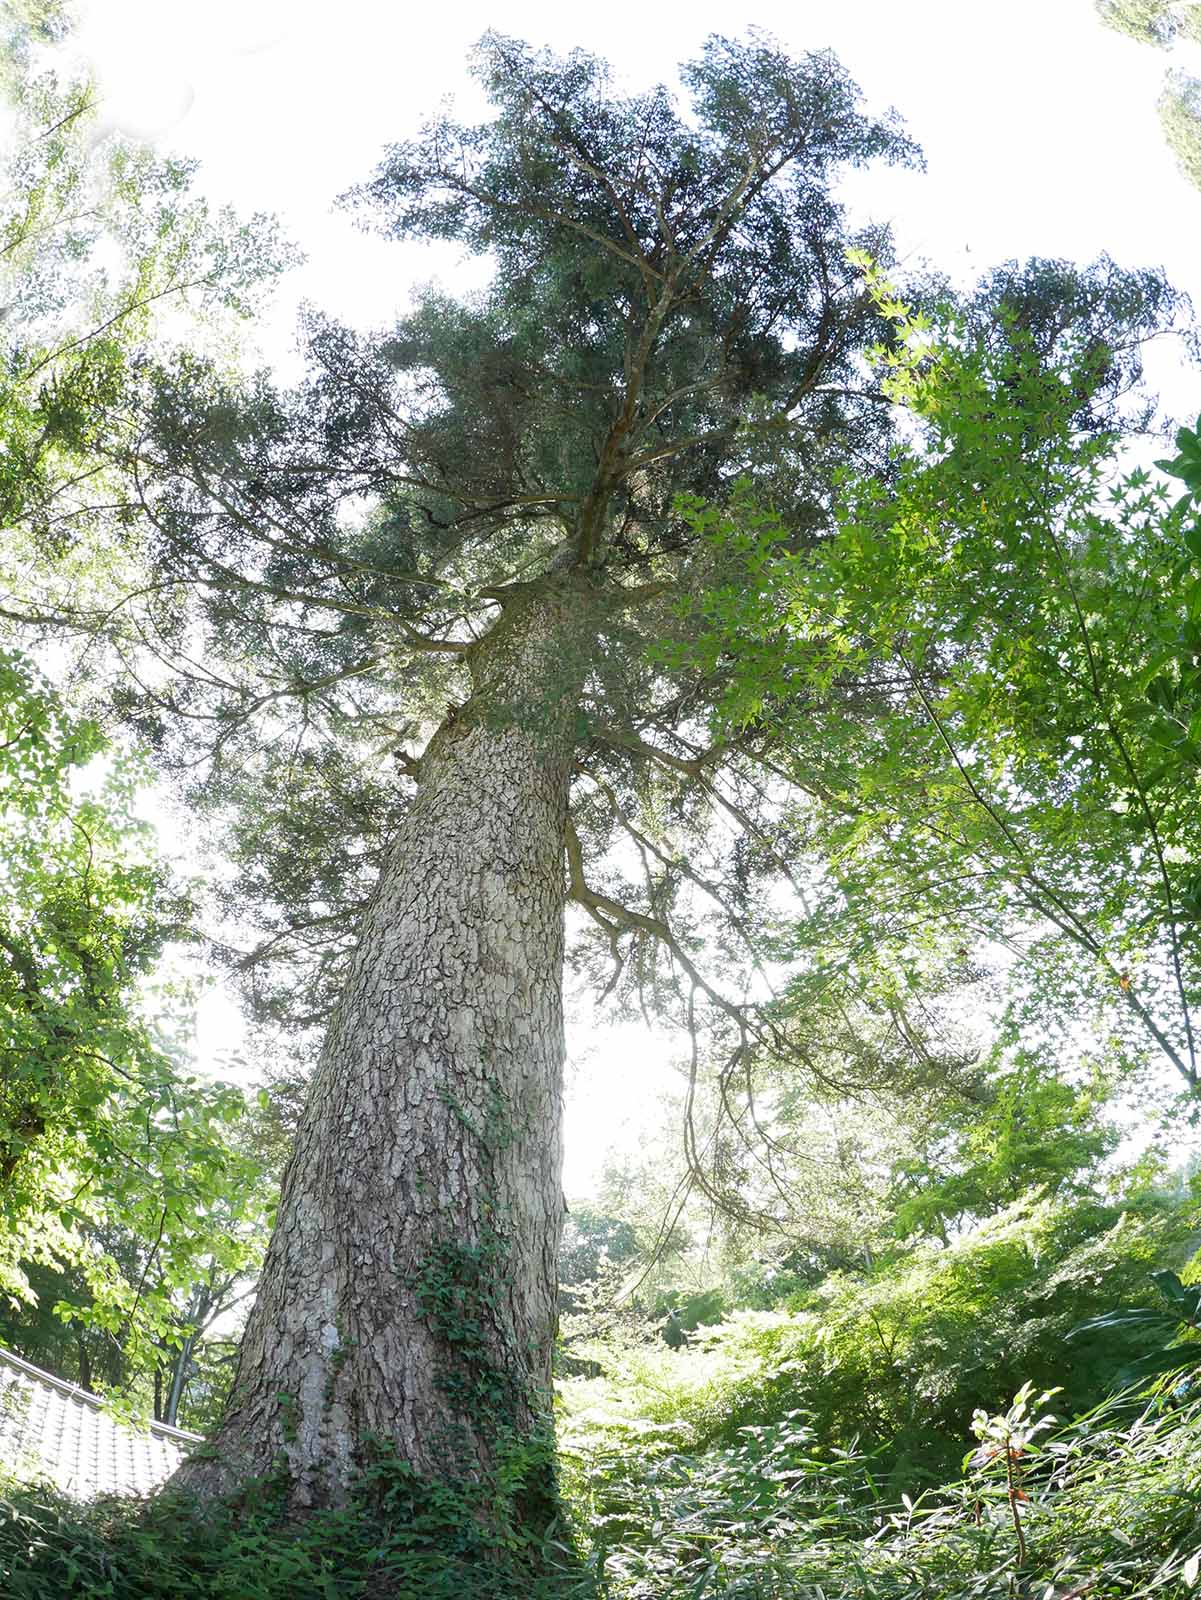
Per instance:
{"type": "Point", "coordinates": [427, 589]}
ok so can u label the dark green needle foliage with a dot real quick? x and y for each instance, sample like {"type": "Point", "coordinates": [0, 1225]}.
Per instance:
{"type": "Point", "coordinates": [671, 307]}
{"type": "Point", "coordinates": [659, 280]}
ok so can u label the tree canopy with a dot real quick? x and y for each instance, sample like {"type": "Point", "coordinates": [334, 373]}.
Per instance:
{"type": "Point", "coordinates": [116, 1164]}
{"type": "Point", "coordinates": [1155, 22]}
{"type": "Point", "coordinates": [1034, 767]}
{"type": "Point", "coordinates": [123, 1187]}
{"type": "Point", "coordinates": [1164, 23]}
{"type": "Point", "coordinates": [101, 242]}
{"type": "Point", "coordinates": [688, 311]}
{"type": "Point", "coordinates": [683, 314]}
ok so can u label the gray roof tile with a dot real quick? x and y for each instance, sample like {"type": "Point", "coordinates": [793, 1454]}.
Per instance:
{"type": "Point", "coordinates": [56, 1430]}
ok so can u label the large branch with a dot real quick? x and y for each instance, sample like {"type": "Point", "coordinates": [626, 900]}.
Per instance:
{"type": "Point", "coordinates": [608, 911]}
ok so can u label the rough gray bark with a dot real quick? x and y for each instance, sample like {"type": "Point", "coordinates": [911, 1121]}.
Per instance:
{"type": "Point", "coordinates": [408, 1294]}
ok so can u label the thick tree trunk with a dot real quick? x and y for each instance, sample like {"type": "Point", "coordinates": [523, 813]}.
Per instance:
{"type": "Point", "coordinates": [408, 1295]}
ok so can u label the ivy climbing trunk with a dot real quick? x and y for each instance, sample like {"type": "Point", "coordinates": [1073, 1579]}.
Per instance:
{"type": "Point", "coordinates": [408, 1294]}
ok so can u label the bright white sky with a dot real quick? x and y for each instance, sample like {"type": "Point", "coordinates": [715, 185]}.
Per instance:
{"type": "Point", "coordinates": [1038, 126]}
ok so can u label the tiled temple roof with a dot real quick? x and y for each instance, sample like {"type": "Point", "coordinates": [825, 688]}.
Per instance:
{"type": "Point", "coordinates": [57, 1431]}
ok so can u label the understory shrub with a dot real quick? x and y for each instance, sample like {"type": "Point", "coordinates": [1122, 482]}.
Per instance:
{"type": "Point", "coordinates": [892, 1363]}
{"type": "Point", "coordinates": [401, 1538]}
{"type": "Point", "coordinates": [1109, 1507]}
{"type": "Point", "coordinates": [811, 1453]}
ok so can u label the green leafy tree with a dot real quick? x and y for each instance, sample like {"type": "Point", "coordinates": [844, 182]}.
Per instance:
{"type": "Point", "coordinates": [116, 1169]}
{"type": "Point", "coordinates": [1031, 786]}
{"type": "Point", "coordinates": [1162, 23]}
{"type": "Point", "coordinates": [147, 1321]}
{"type": "Point", "coordinates": [593, 1245]}
{"type": "Point", "coordinates": [99, 238]}
{"type": "Point", "coordinates": [193, 1370]}
{"type": "Point", "coordinates": [1155, 22]}
{"type": "Point", "coordinates": [118, 1184]}
{"type": "Point", "coordinates": [1028, 1129]}
{"type": "Point", "coordinates": [85, 916]}
{"type": "Point", "coordinates": [1180, 116]}
{"type": "Point", "coordinates": [70, 1350]}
